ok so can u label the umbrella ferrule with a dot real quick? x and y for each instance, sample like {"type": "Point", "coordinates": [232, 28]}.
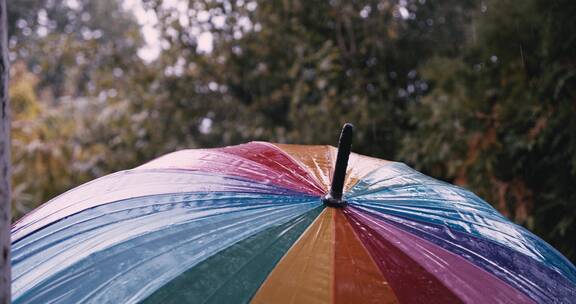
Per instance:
{"type": "Point", "coordinates": [334, 198]}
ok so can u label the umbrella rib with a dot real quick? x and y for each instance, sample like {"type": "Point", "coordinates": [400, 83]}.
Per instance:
{"type": "Point", "coordinates": [303, 179]}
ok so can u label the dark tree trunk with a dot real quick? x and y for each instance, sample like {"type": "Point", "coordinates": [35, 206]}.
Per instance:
{"type": "Point", "coordinates": [5, 213]}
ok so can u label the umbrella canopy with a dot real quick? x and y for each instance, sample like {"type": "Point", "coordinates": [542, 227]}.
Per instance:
{"type": "Point", "coordinates": [247, 223]}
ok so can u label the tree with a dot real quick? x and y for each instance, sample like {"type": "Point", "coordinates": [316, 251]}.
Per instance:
{"type": "Point", "coordinates": [499, 118]}
{"type": "Point", "coordinates": [69, 109]}
{"type": "Point", "coordinates": [290, 69]}
{"type": "Point", "coordinates": [5, 213]}
{"type": "Point", "coordinates": [472, 92]}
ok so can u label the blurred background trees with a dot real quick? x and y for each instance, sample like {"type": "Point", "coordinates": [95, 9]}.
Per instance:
{"type": "Point", "coordinates": [479, 93]}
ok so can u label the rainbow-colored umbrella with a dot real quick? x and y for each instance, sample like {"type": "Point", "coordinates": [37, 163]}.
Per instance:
{"type": "Point", "coordinates": [251, 223]}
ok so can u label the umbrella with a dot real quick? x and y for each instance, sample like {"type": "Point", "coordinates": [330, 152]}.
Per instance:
{"type": "Point", "coordinates": [274, 223]}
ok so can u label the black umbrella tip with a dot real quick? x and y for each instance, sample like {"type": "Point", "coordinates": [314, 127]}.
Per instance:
{"type": "Point", "coordinates": [346, 134]}
{"type": "Point", "coordinates": [334, 198]}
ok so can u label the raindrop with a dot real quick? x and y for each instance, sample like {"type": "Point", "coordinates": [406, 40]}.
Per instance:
{"type": "Point", "coordinates": [371, 62]}
{"type": "Point", "coordinates": [73, 4]}
{"type": "Point", "coordinates": [423, 86]}
{"type": "Point", "coordinates": [37, 69]}
{"type": "Point", "coordinates": [97, 34]}
{"type": "Point", "coordinates": [251, 6]}
{"type": "Point", "coordinates": [205, 125]}
{"type": "Point", "coordinates": [237, 50]}
{"type": "Point", "coordinates": [219, 21]}
{"type": "Point", "coordinates": [117, 72]}
{"type": "Point", "coordinates": [203, 16]}
{"type": "Point", "coordinates": [403, 12]}
{"type": "Point", "coordinates": [411, 88]}
{"type": "Point", "coordinates": [112, 93]}
{"type": "Point", "coordinates": [402, 93]}
{"type": "Point", "coordinates": [213, 86]}
{"type": "Point", "coordinates": [42, 31]}
{"type": "Point", "coordinates": [102, 96]}
{"type": "Point", "coordinates": [371, 88]}
{"type": "Point", "coordinates": [365, 12]}
{"type": "Point", "coordinates": [21, 23]}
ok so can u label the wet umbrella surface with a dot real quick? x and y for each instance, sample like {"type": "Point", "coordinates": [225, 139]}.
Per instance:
{"type": "Point", "coordinates": [264, 223]}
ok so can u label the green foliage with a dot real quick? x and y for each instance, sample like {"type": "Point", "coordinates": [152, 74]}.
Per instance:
{"type": "Point", "coordinates": [58, 146]}
{"type": "Point", "coordinates": [480, 93]}
{"type": "Point", "coordinates": [296, 66]}
{"type": "Point", "coordinates": [64, 61]}
{"type": "Point", "coordinates": [500, 117]}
